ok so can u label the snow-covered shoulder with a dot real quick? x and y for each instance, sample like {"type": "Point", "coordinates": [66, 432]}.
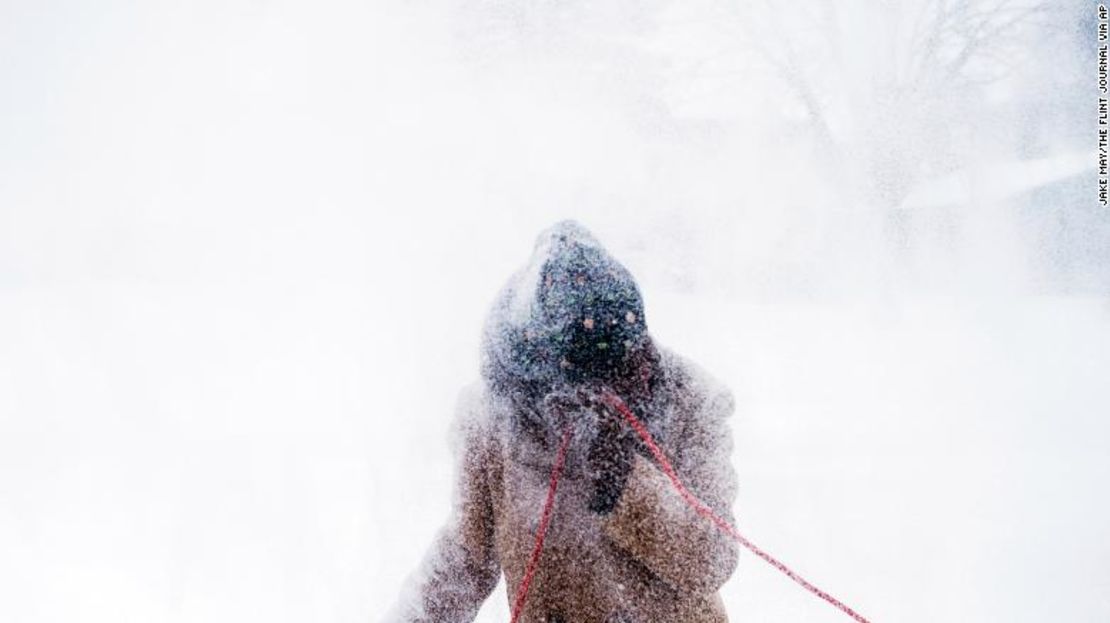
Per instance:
{"type": "Point", "coordinates": [699, 389]}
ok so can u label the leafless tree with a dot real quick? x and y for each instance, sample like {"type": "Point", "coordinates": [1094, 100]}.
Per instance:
{"type": "Point", "coordinates": [886, 86]}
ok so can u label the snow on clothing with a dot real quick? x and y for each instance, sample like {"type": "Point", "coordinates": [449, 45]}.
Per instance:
{"type": "Point", "coordinates": [634, 552]}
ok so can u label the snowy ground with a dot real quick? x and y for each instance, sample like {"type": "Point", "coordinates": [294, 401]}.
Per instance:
{"type": "Point", "coordinates": [189, 455]}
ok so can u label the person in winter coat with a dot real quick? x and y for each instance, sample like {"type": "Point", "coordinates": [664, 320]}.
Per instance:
{"type": "Point", "coordinates": [622, 545]}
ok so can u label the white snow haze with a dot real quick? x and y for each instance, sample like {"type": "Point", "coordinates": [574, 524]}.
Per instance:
{"type": "Point", "coordinates": [246, 249]}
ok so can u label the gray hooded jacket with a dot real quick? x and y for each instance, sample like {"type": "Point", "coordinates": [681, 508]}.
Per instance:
{"type": "Point", "coordinates": [648, 559]}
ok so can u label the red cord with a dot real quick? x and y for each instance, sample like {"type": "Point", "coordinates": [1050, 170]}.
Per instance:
{"type": "Point", "coordinates": [541, 532]}
{"type": "Point", "coordinates": [615, 402]}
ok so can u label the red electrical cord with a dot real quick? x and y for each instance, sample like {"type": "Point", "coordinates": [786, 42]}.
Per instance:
{"type": "Point", "coordinates": [614, 401]}
{"type": "Point", "coordinates": [541, 532]}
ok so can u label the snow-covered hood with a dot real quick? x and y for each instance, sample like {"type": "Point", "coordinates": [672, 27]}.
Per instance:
{"type": "Point", "coordinates": [567, 315]}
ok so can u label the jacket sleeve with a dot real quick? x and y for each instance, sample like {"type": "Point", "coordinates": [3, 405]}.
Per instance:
{"type": "Point", "coordinates": [460, 570]}
{"type": "Point", "coordinates": [654, 524]}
